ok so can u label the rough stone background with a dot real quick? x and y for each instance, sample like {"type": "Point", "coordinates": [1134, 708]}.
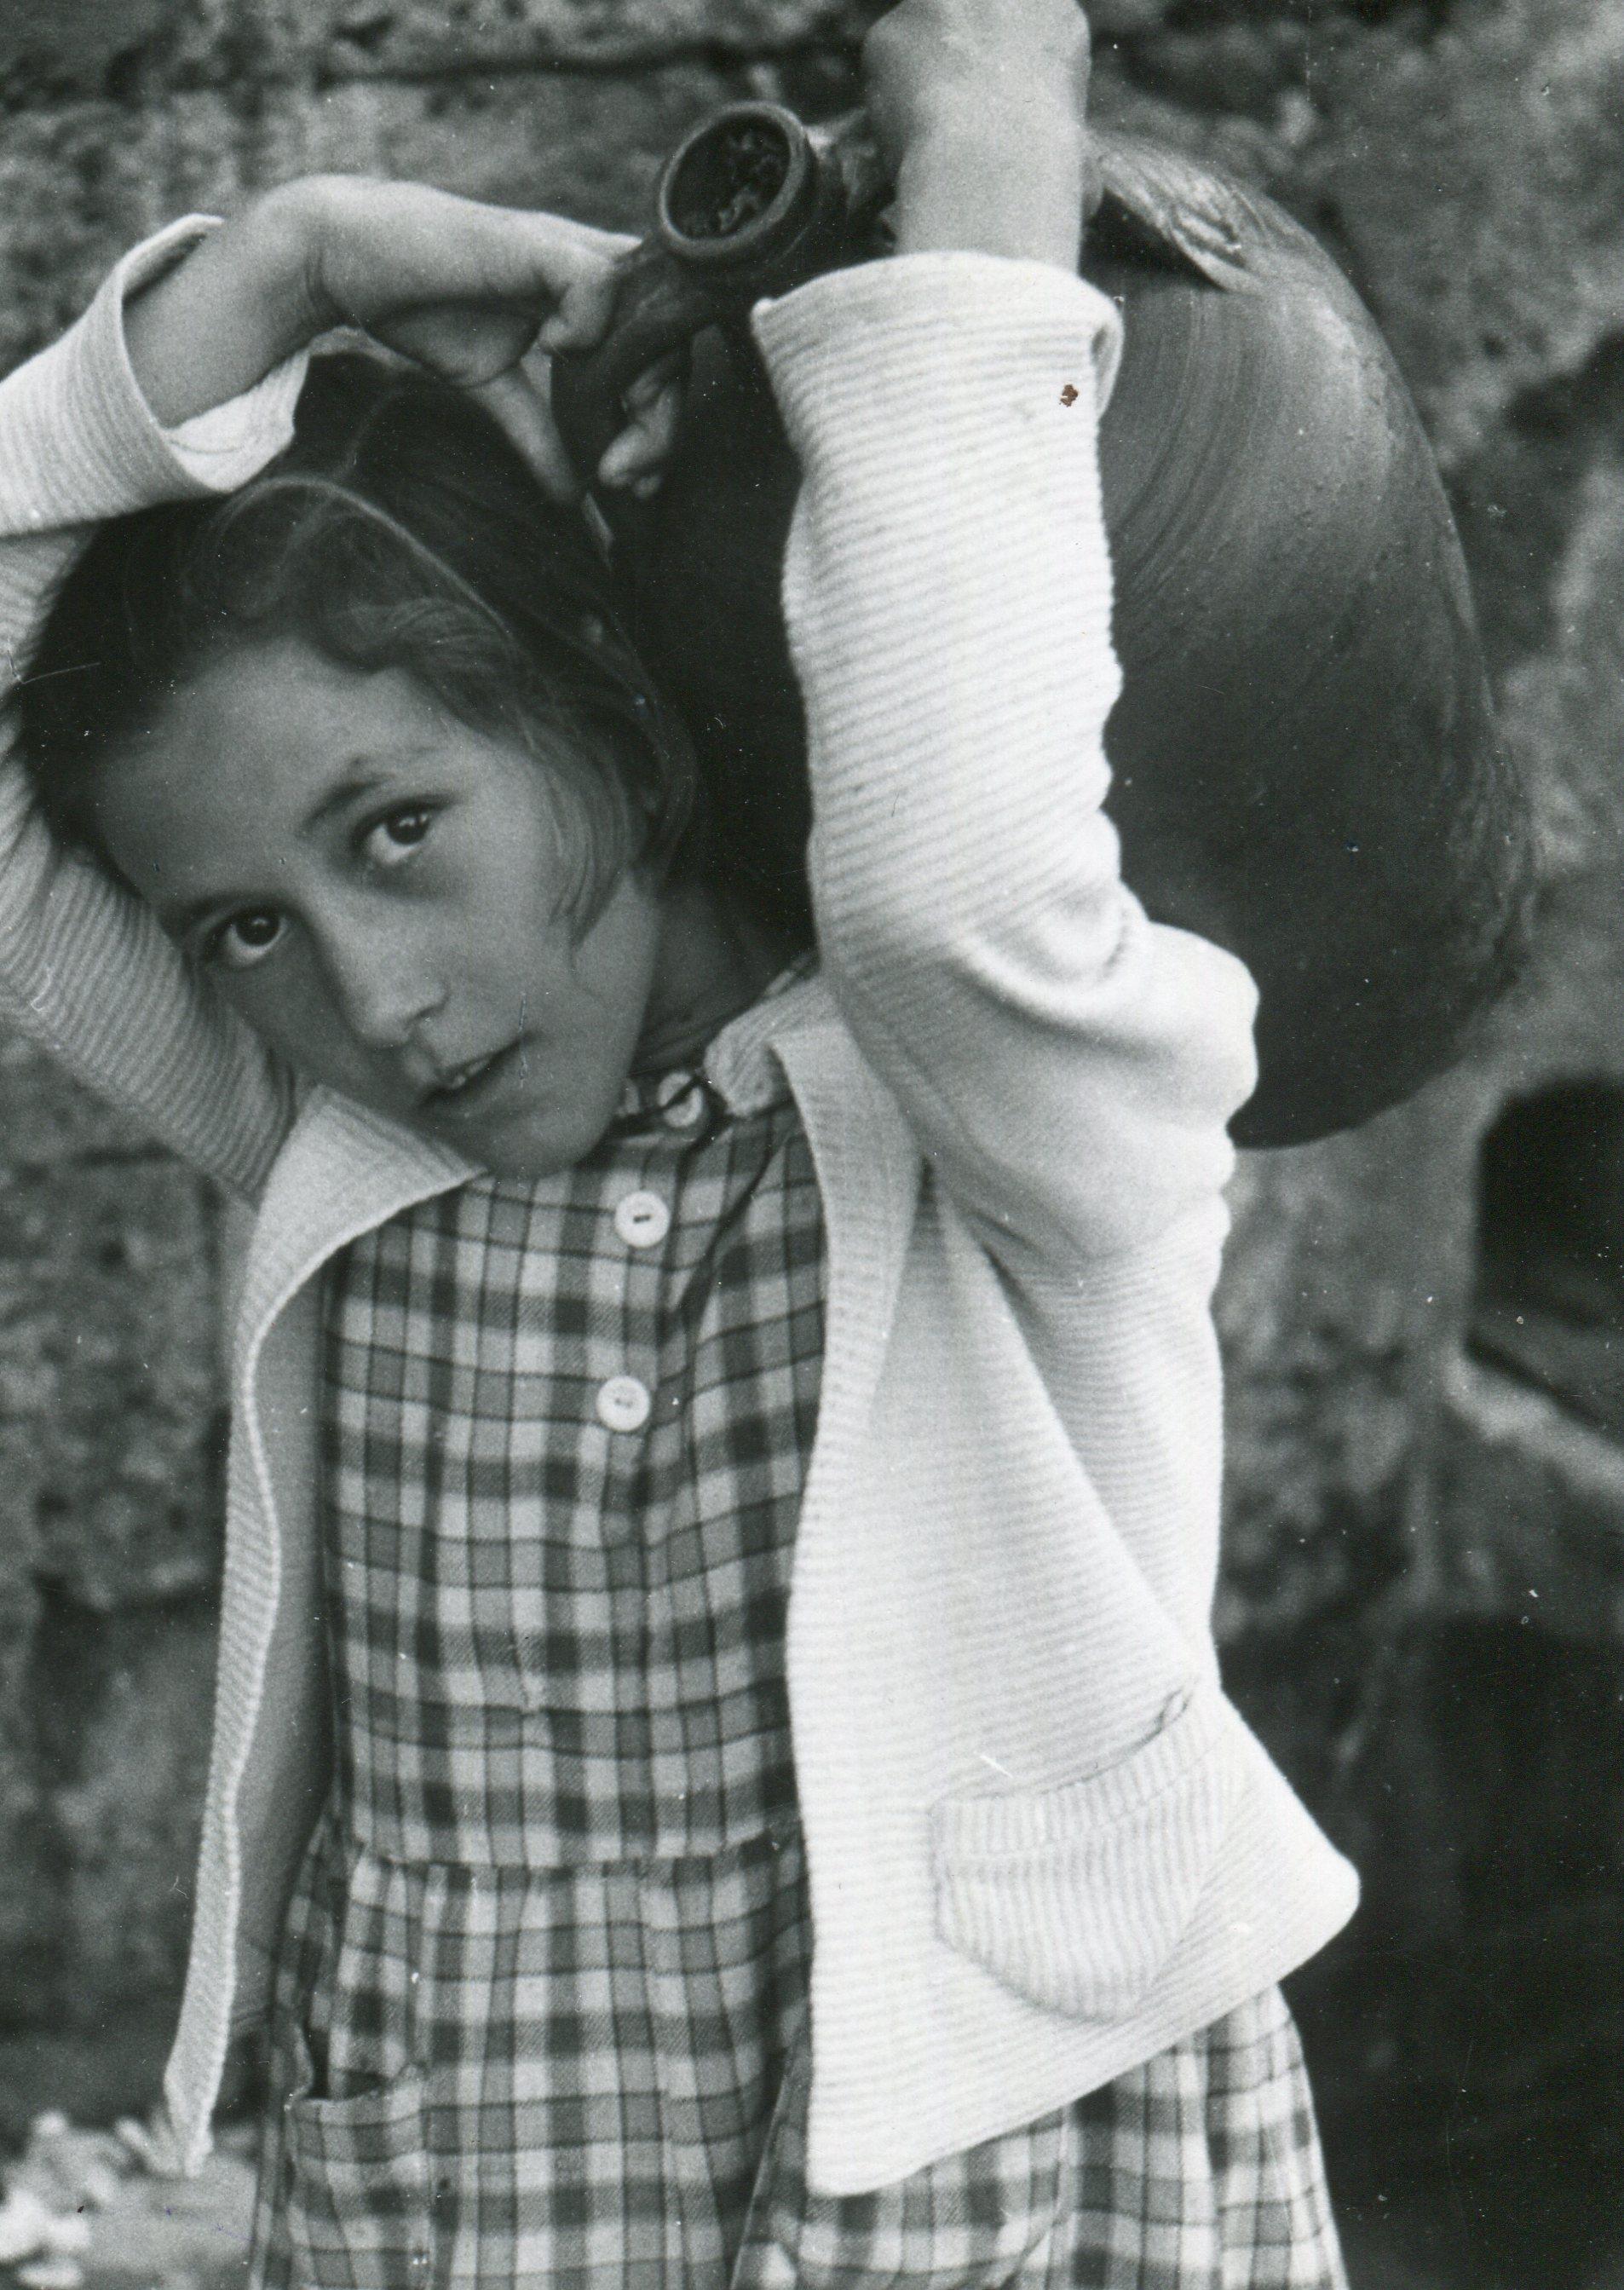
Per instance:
{"type": "Point", "coordinates": [1424, 1608]}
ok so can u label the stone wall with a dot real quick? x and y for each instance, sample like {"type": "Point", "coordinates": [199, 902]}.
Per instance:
{"type": "Point", "coordinates": [1425, 1601]}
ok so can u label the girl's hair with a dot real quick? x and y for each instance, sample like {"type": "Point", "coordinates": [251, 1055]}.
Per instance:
{"type": "Point", "coordinates": [401, 528]}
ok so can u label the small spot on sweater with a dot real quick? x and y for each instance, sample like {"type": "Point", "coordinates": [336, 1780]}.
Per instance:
{"type": "Point", "coordinates": [1070, 394]}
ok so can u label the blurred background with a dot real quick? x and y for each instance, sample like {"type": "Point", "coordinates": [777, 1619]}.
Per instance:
{"type": "Point", "coordinates": [1424, 1605]}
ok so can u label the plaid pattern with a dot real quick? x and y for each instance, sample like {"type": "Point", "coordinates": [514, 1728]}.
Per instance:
{"type": "Point", "coordinates": [553, 1641]}
{"type": "Point", "coordinates": [1199, 2171]}
{"type": "Point", "coordinates": [509, 2078]}
{"type": "Point", "coordinates": [548, 1949]}
{"type": "Point", "coordinates": [541, 2005]}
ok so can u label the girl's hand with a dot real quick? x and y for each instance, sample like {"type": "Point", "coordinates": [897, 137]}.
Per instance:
{"type": "Point", "coordinates": [471, 345]}
{"type": "Point", "coordinates": [981, 112]}
{"type": "Point", "coordinates": [473, 291]}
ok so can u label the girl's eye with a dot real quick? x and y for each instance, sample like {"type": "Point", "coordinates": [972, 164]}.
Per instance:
{"type": "Point", "coordinates": [392, 839]}
{"type": "Point", "coordinates": [242, 939]}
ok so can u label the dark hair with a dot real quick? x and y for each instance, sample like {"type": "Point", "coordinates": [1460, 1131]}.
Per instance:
{"type": "Point", "coordinates": [401, 528]}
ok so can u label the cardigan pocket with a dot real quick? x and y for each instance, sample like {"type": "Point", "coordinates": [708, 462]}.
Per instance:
{"type": "Point", "coordinates": [357, 2187]}
{"type": "Point", "coordinates": [1077, 1896]}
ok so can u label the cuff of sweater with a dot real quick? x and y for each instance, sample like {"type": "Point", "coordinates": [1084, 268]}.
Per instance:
{"type": "Point", "coordinates": [79, 416]}
{"type": "Point", "coordinates": [220, 449]}
{"type": "Point", "coordinates": [891, 323]}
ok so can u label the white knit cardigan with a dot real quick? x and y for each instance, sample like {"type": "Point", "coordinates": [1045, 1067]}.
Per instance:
{"type": "Point", "coordinates": [1041, 1844]}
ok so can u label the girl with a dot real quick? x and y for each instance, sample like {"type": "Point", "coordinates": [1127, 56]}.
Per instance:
{"type": "Point", "coordinates": [731, 1451]}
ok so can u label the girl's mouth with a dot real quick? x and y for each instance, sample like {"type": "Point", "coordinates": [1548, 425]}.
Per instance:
{"type": "Point", "coordinates": [467, 1088]}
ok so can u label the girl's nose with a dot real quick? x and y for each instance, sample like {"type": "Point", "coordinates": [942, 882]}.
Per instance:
{"type": "Point", "coordinates": [383, 989]}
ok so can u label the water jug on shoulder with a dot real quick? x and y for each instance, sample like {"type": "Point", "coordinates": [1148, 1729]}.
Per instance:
{"type": "Point", "coordinates": [1304, 762]}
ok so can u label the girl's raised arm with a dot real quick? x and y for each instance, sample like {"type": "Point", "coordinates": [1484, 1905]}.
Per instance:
{"type": "Point", "coordinates": [180, 380]}
{"type": "Point", "coordinates": [85, 968]}
{"type": "Point", "coordinates": [1068, 1066]}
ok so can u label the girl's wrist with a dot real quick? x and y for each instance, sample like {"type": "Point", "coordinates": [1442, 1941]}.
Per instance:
{"type": "Point", "coordinates": [974, 181]}
{"type": "Point", "coordinates": [233, 308]}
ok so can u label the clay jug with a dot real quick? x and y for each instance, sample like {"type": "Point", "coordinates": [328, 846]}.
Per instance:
{"type": "Point", "coordinates": [1305, 766]}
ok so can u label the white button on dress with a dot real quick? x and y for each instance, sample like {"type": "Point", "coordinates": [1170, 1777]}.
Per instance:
{"type": "Point", "coordinates": [623, 1404]}
{"type": "Point", "coordinates": [681, 1100]}
{"type": "Point", "coordinates": [642, 1220]}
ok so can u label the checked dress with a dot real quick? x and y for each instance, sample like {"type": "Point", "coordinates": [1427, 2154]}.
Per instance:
{"type": "Point", "coordinates": [541, 2013]}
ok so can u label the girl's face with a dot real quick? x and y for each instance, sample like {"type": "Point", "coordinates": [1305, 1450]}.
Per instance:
{"type": "Point", "coordinates": [377, 890]}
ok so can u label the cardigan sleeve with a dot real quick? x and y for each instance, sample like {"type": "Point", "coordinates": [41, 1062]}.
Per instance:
{"type": "Point", "coordinates": [1068, 1066]}
{"type": "Point", "coordinates": [85, 969]}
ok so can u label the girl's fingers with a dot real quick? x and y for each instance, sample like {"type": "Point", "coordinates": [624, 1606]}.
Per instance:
{"type": "Point", "coordinates": [655, 382]}
{"type": "Point", "coordinates": [464, 249]}
{"type": "Point", "coordinates": [468, 343]}
{"type": "Point", "coordinates": [482, 294]}
{"type": "Point", "coordinates": [574, 265]}
{"type": "Point", "coordinates": [654, 411]}
{"type": "Point", "coordinates": [520, 400]}
{"type": "Point", "coordinates": [585, 308]}
{"type": "Point", "coordinates": [384, 248]}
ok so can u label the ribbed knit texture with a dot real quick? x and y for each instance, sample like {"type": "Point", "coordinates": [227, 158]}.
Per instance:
{"type": "Point", "coordinates": [83, 968]}
{"type": "Point", "coordinates": [949, 594]}
{"type": "Point", "coordinates": [1041, 1844]}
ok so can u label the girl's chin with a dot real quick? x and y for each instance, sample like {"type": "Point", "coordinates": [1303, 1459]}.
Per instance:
{"type": "Point", "coordinates": [526, 1144]}
{"type": "Point", "coordinates": [509, 1121]}
{"type": "Point", "coordinates": [524, 1163]}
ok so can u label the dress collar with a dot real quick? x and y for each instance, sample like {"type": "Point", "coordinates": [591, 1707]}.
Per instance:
{"type": "Point", "coordinates": [739, 1065]}
{"type": "Point", "coordinates": [737, 1073]}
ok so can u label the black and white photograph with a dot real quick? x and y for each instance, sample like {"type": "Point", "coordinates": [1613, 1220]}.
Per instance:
{"type": "Point", "coordinates": [812, 1145]}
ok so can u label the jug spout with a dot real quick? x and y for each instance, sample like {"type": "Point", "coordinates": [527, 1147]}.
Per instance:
{"type": "Point", "coordinates": [757, 199]}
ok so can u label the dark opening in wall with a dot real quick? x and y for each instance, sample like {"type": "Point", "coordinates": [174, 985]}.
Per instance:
{"type": "Point", "coordinates": [1549, 1301]}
